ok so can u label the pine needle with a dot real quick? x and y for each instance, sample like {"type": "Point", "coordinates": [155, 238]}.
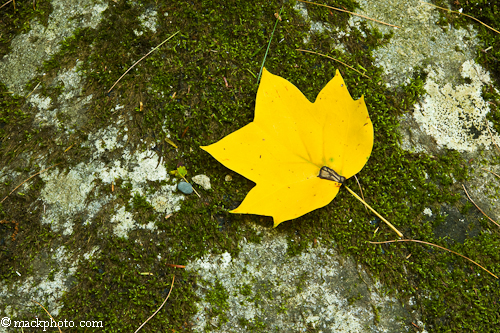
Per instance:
{"type": "Point", "coordinates": [324, 55]}
{"type": "Point", "coordinates": [491, 172]}
{"type": "Point", "coordinates": [360, 189]}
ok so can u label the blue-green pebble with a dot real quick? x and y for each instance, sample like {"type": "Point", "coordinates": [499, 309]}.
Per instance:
{"type": "Point", "coordinates": [185, 188]}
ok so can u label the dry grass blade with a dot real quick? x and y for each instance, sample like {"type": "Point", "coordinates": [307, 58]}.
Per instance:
{"type": "Point", "coordinates": [33, 90]}
{"type": "Point", "coordinates": [49, 315]}
{"type": "Point", "coordinates": [452, 11]}
{"type": "Point", "coordinates": [128, 70]}
{"type": "Point", "coordinates": [346, 11]}
{"type": "Point", "coordinates": [443, 248]}
{"type": "Point", "coordinates": [478, 207]}
{"type": "Point", "coordinates": [324, 55]}
{"type": "Point", "coordinates": [278, 19]}
{"type": "Point", "coordinates": [27, 180]}
{"type": "Point", "coordinates": [144, 323]}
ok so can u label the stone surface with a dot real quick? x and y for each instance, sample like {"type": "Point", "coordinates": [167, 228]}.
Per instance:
{"type": "Point", "coordinates": [316, 290]}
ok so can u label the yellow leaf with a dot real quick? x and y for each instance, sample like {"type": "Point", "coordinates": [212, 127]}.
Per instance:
{"type": "Point", "coordinates": [290, 141]}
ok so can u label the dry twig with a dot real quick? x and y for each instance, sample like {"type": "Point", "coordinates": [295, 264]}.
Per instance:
{"type": "Point", "coordinates": [27, 180]}
{"type": "Point", "coordinates": [478, 206]}
{"type": "Point", "coordinates": [5, 4]}
{"type": "Point", "coordinates": [49, 315]}
{"type": "Point", "coordinates": [443, 248]}
{"type": "Point", "coordinates": [144, 323]}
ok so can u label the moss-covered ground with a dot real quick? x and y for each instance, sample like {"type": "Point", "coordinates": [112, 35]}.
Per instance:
{"type": "Point", "coordinates": [183, 85]}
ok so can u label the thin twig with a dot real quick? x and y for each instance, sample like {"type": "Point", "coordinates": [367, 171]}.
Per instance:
{"type": "Point", "coordinates": [269, 44]}
{"type": "Point", "coordinates": [141, 59]}
{"type": "Point", "coordinates": [28, 179]}
{"type": "Point", "coordinates": [478, 207]}
{"type": "Point", "coordinates": [452, 11]}
{"type": "Point", "coordinates": [173, 279]}
{"type": "Point", "coordinates": [346, 11]}
{"type": "Point", "coordinates": [361, 190]}
{"type": "Point", "coordinates": [373, 210]}
{"type": "Point", "coordinates": [5, 4]}
{"type": "Point", "coordinates": [491, 172]}
{"type": "Point", "coordinates": [324, 55]}
{"type": "Point", "coordinates": [49, 315]}
{"type": "Point", "coordinates": [491, 135]}
{"type": "Point", "coordinates": [443, 248]}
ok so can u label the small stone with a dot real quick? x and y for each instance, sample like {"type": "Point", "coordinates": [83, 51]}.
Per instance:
{"type": "Point", "coordinates": [228, 178]}
{"type": "Point", "coordinates": [185, 188]}
{"type": "Point", "coordinates": [203, 181]}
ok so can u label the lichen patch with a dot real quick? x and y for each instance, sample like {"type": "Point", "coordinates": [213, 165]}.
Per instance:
{"type": "Point", "coordinates": [455, 115]}
{"type": "Point", "coordinates": [419, 40]}
{"type": "Point", "coordinates": [66, 193]}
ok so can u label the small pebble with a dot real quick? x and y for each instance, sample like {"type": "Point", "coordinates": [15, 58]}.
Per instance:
{"type": "Point", "coordinates": [203, 181]}
{"type": "Point", "coordinates": [228, 178]}
{"type": "Point", "coordinates": [185, 188]}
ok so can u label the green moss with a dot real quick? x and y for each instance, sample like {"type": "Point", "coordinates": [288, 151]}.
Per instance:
{"type": "Point", "coordinates": [16, 20]}
{"type": "Point", "coordinates": [246, 290]}
{"type": "Point", "coordinates": [254, 325]}
{"type": "Point", "coordinates": [217, 297]}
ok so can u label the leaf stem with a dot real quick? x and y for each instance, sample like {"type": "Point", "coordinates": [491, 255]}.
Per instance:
{"type": "Point", "coordinates": [373, 210]}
